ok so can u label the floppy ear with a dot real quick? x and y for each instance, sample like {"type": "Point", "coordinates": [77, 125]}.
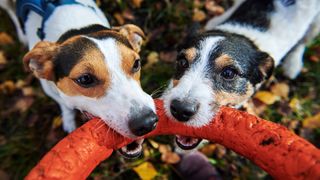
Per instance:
{"type": "Point", "coordinates": [133, 33]}
{"type": "Point", "coordinates": [266, 65]}
{"type": "Point", "coordinates": [39, 60]}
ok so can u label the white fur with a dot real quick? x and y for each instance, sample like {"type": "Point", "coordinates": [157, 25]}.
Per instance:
{"type": "Point", "coordinates": [288, 26]}
{"type": "Point", "coordinates": [194, 86]}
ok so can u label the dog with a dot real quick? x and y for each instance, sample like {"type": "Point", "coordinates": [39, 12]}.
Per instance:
{"type": "Point", "coordinates": [82, 63]}
{"type": "Point", "coordinates": [225, 65]}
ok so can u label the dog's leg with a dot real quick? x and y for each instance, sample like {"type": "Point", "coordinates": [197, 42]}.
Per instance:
{"type": "Point", "coordinates": [293, 62]}
{"type": "Point", "coordinates": [68, 118]}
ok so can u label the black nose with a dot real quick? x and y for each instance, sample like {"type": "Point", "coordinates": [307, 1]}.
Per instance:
{"type": "Point", "coordinates": [143, 122]}
{"type": "Point", "coordinates": [183, 110]}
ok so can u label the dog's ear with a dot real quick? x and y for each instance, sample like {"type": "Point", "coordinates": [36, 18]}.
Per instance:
{"type": "Point", "coordinates": [266, 65]}
{"type": "Point", "coordinates": [133, 33]}
{"type": "Point", "coordinates": [39, 60]}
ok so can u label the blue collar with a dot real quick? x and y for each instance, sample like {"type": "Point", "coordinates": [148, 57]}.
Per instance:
{"type": "Point", "coordinates": [42, 7]}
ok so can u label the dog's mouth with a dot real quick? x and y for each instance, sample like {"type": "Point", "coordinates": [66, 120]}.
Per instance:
{"type": "Point", "coordinates": [132, 150]}
{"type": "Point", "coordinates": [129, 151]}
{"type": "Point", "coordinates": [186, 142]}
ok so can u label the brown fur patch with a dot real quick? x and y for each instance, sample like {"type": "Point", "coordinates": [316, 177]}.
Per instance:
{"type": "Point", "coordinates": [223, 61]}
{"type": "Point", "coordinates": [93, 63]}
{"type": "Point", "coordinates": [231, 99]}
{"type": "Point", "coordinates": [175, 82]}
{"type": "Point", "coordinates": [190, 54]}
{"type": "Point", "coordinates": [128, 57]}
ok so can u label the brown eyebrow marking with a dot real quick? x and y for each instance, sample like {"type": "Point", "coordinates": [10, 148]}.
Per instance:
{"type": "Point", "coordinates": [128, 57]}
{"type": "Point", "coordinates": [190, 54]}
{"type": "Point", "coordinates": [92, 62]}
{"type": "Point", "coordinates": [223, 61]}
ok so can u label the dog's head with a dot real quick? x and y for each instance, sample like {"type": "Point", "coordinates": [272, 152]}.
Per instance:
{"type": "Point", "coordinates": [215, 69]}
{"type": "Point", "coordinates": [98, 73]}
{"type": "Point", "coordinates": [212, 70]}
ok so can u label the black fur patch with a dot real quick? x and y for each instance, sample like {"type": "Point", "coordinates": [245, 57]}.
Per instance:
{"type": "Point", "coordinates": [82, 31]}
{"type": "Point", "coordinates": [69, 55]}
{"type": "Point", "coordinates": [254, 13]}
{"type": "Point", "coordinates": [91, 31]}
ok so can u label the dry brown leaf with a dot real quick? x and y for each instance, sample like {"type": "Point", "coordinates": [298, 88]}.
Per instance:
{"type": "Point", "coordinates": [152, 58]}
{"type": "Point", "coordinates": [281, 89]}
{"type": "Point", "coordinates": [312, 122]}
{"type": "Point", "coordinates": [314, 58]}
{"type": "Point", "coordinates": [3, 59]}
{"type": "Point", "coordinates": [5, 39]}
{"type": "Point", "coordinates": [164, 148]}
{"type": "Point", "coordinates": [127, 14]}
{"type": "Point", "coordinates": [266, 97]}
{"type": "Point", "coordinates": [198, 15]}
{"type": "Point", "coordinates": [213, 8]}
{"type": "Point", "coordinates": [7, 87]}
{"type": "Point", "coordinates": [136, 3]}
{"type": "Point", "coordinates": [168, 56]}
{"type": "Point", "coordinates": [170, 157]}
{"type": "Point", "coordinates": [119, 18]}
{"type": "Point", "coordinates": [153, 144]}
{"type": "Point", "coordinates": [20, 84]}
{"type": "Point", "coordinates": [28, 91]}
{"type": "Point", "coordinates": [146, 171]}
{"type": "Point", "coordinates": [23, 104]}
{"type": "Point", "coordinates": [209, 149]}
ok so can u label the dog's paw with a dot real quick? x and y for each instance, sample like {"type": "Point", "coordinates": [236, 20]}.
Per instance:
{"type": "Point", "coordinates": [68, 127]}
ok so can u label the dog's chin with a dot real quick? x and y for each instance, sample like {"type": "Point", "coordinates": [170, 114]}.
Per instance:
{"type": "Point", "coordinates": [130, 151]}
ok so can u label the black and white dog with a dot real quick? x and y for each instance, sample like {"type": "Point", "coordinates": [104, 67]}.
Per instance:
{"type": "Point", "coordinates": [84, 64]}
{"type": "Point", "coordinates": [227, 64]}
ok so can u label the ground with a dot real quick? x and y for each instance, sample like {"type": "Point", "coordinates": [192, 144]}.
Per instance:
{"type": "Point", "coordinates": [30, 123]}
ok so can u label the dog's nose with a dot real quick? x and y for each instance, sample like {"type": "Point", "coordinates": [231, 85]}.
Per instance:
{"type": "Point", "coordinates": [143, 122]}
{"type": "Point", "coordinates": [183, 110]}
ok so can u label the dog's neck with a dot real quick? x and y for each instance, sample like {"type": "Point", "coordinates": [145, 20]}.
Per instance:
{"type": "Point", "coordinates": [63, 19]}
{"type": "Point", "coordinates": [272, 29]}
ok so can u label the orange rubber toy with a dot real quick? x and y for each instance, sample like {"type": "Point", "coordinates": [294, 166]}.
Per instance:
{"type": "Point", "coordinates": [270, 146]}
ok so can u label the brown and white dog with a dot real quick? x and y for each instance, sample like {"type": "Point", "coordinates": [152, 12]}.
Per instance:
{"type": "Point", "coordinates": [225, 65]}
{"type": "Point", "coordinates": [84, 64]}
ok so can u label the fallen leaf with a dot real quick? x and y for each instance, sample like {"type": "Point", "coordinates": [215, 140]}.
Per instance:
{"type": "Point", "coordinates": [280, 89]}
{"type": "Point", "coordinates": [127, 14]}
{"type": "Point", "coordinates": [119, 18]}
{"type": "Point", "coordinates": [314, 58]}
{"type": "Point", "coordinates": [146, 171]}
{"type": "Point", "coordinates": [214, 8]}
{"type": "Point", "coordinates": [208, 150]}
{"type": "Point", "coordinates": [5, 39]}
{"type": "Point", "coordinates": [57, 122]}
{"type": "Point", "coordinates": [136, 3]}
{"type": "Point", "coordinates": [7, 87]}
{"type": "Point", "coordinates": [28, 91]}
{"type": "Point", "coordinates": [152, 58]}
{"type": "Point", "coordinates": [168, 56]}
{"type": "Point", "coordinates": [3, 59]}
{"type": "Point", "coordinates": [153, 144]}
{"type": "Point", "coordinates": [170, 157]}
{"type": "Point", "coordinates": [20, 84]}
{"type": "Point", "coordinates": [295, 105]}
{"type": "Point", "coordinates": [164, 148]}
{"type": "Point", "coordinates": [23, 104]}
{"type": "Point", "coordinates": [312, 122]}
{"type": "Point", "coordinates": [198, 15]}
{"type": "Point", "coordinates": [266, 97]}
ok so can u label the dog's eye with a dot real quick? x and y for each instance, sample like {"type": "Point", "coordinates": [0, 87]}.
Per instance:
{"type": "Point", "coordinates": [229, 73]}
{"type": "Point", "coordinates": [182, 63]}
{"type": "Point", "coordinates": [136, 66]}
{"type": "Point", "coordinates": [86, 80]}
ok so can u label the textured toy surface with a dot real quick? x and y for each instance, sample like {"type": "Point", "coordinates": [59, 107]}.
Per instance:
{"type": "Point", "coordinates": [270, 146]}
